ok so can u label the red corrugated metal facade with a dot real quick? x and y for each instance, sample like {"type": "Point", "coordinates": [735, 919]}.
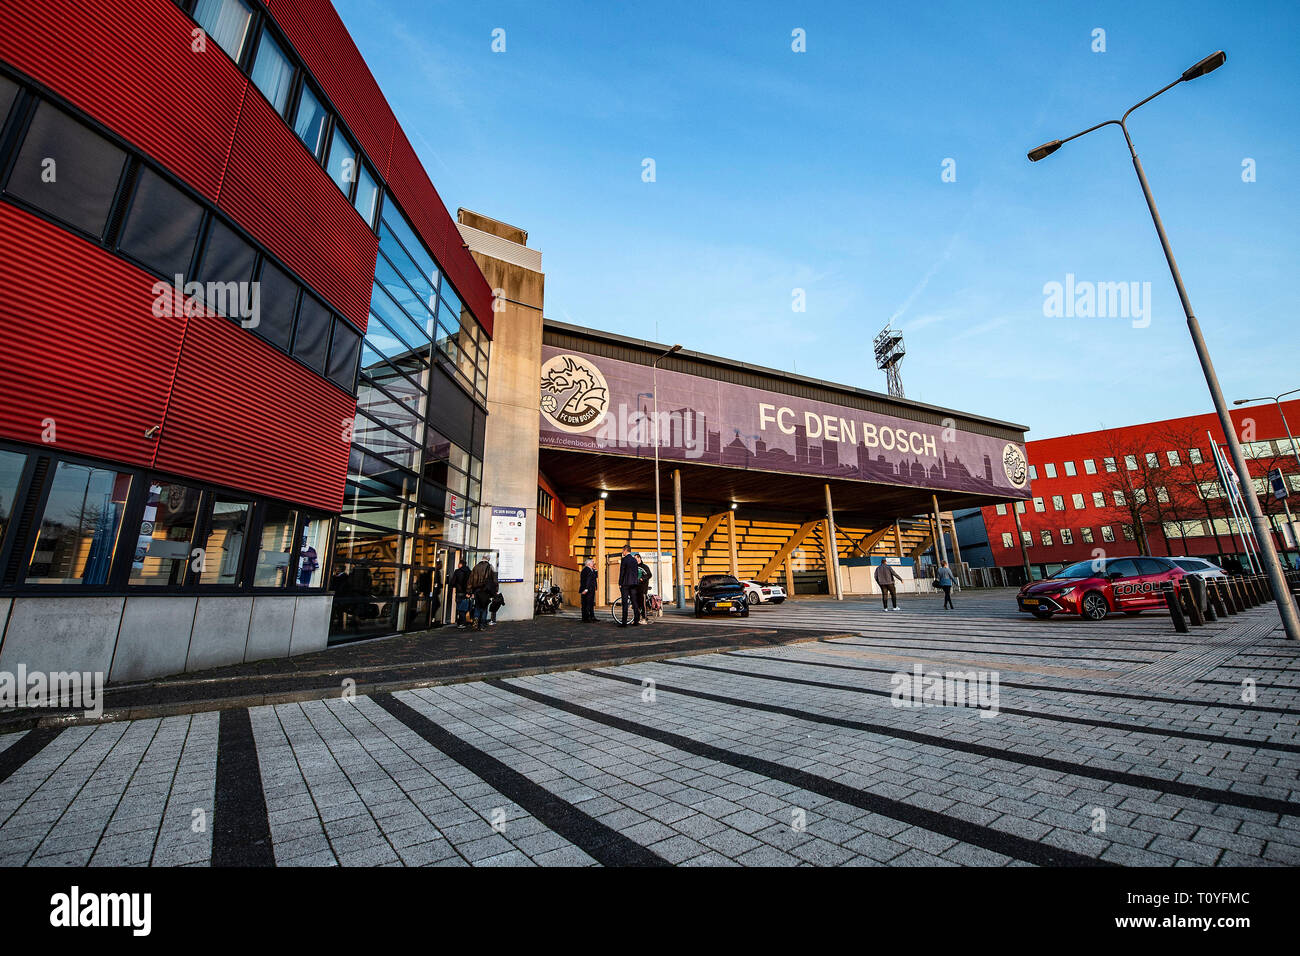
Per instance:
{"type": "Point", "coordinates": [80, 342]}
{"type": "Point", "coordinates": [316, 31]}
{"type": "Point", "coordinates": [128, 63]}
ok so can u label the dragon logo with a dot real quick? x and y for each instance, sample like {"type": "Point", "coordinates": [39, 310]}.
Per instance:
{"type": "Point", "coordinates": [575, 395]}
{"type": "Point", "coordinates": [1013, 463]}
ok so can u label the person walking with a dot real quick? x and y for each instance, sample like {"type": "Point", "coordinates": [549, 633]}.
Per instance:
{"type": "Point", "coordinates": [587, 585]}
{"type": "Point", "coordinates": [628, 580]}
{"type": "Point", "coordinates": [482, 587]}
{"type": "Point", "coordinates": [943, 577]}
{"type": "Point", "coordinates": [885, 577]}
{"type": "Point", "coordinates": [459, 585]}
{"type": "Point", "coordinates": [643, 587]}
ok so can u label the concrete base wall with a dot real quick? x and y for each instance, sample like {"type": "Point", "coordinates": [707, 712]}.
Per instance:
{"type": "Point", "coordinates": [146, 636]}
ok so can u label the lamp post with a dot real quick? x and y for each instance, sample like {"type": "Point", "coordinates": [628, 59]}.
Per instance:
{"type": "Point", "coordinates": [1281, 590]}
{"type": "Point", "coordinates": [659, 541]}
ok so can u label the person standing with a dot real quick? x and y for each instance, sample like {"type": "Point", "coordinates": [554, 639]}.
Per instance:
{"type": "Point", "coordinates": [587, 585]}
{"type": "Point", "coordinates": [628, 580]}
{"type": "Point", "coordinates": [943, 577]}
{"type": "Point", "coordinates": [459, 585]}
{"type": "Point", "coordinates": [482, 587]}
{"type": "Point", "coordinates": [643, 587]}
{"type": "Point", "coordinates": [885, 577]}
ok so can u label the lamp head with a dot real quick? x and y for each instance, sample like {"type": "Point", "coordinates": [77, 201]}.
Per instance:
{"type": "Point", "coordinates": [1208, 65]}
{"type": "Point", "coordinates": [1042, 152]}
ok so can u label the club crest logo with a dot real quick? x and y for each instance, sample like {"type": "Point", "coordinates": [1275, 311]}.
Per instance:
{"type": "Point", "coordinates": [1014, 464]}
{"type": "Point", "coordinates": [575, 395]}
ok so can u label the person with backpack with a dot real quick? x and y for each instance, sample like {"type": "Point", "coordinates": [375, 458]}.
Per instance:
{"type": "Point", "coordinates": [498, 602]}
{"type": "Point", "coordinates": [944, 579]}
{"type": "Point", "coordinates": [481, 587]}
{"type": "Point", "coordinates": [886, 576]}
{"type": "Point", "coordinates": [459, 585]}
{"type": "Point", "coordinates": [643, 587]}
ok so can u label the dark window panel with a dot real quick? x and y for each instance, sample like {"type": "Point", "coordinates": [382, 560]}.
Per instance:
{"type": "Point", "coordinates": [311, 341]}
{"type": "Point", "coordinates": [278, 298]}
{"type": "Point", "coordinates": [343, 356]}
{"type": "Point", "coordinates": [226, 257]}
{"type": "Point", "coordinates": [8, 93]}
{"type": "Point", "coordinates": [85, 171]}
{"type": "Point", "coordinates": [162, 226]}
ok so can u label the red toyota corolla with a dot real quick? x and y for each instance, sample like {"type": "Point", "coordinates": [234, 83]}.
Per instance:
{"type": "Point", "coordinates": [1092, 589]}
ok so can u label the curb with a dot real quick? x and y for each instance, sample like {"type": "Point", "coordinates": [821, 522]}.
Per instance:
{"type": "Point", "coordinates": [206, 705]}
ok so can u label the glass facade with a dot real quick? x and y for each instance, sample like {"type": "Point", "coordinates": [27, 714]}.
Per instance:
{"type": "Point", "coordinates": [417, 442]}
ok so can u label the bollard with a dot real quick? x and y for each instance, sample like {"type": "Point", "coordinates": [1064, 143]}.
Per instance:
{"type": "Point", "coordinates": [1215, 597]}
{"type": "Point", "coordinates": [1248, 591]}
{"type": "Point", "coordinates": [1175, 610]}
{"type": "Point", "coordinates": [1234, 591]}
{"type": "Point", "coordinates": [1191, 600]}
{"type": "Point", "coordinates": [1226, 607]}
{"type": "Point", "coordinates": [1208, 611]}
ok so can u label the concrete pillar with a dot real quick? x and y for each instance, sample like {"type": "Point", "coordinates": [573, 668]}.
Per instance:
{"type": "Point", "coordinates": [833, 549]}
{"type": "Point", "coordinates": [601, 561]}
{"type": "Point", "coordinates": [510, 450]}
{"type": "Point", "coordinates": [956, 553]}
{"type": "Point", "coordinates": [789, 578]}
{"type": "Point", "coordinates": [940, 549]}
{"type": "Point", "coordinates": [677, 531]}
{"type": "Point", "coordinates": [731, 543]}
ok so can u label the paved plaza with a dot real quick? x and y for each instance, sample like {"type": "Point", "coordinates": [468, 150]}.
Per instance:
{"type": "Point", "coordinates": [1119, 742]}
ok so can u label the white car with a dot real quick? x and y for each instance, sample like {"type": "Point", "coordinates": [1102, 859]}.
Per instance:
{"type": "Point", "coordinates": [1200, 567]}
{"type": "Point", "coordinates": [756, 593]}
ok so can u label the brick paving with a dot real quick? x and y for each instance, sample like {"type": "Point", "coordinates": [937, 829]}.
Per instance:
{"type": "Point", "coordinates": [771, 754]}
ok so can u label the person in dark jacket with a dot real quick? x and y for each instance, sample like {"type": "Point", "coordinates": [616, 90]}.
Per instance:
{"type": "Point", "coordinates": [885, 577]}
{"type": "Point", "coordinates": [459, 585]}
{"type": "Point", "coordinates": [629, 578]}
{"type": "Point", "coordinates": [482, 588]}
{"type": "Point", "coordinates": [587, 585]}
{"type": "Point", "coordinates": [643, 587]}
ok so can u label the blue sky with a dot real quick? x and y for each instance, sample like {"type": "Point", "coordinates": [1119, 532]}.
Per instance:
{"type": "Point", "coordinates": [821, 171]}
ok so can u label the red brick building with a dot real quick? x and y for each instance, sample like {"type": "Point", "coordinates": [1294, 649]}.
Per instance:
{"type": "Point", "coordinates": [1151, 488]}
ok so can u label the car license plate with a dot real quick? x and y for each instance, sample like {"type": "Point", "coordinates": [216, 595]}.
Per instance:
{"type": "Point", "coordinates": [723, 604]}
{"type": "Point", "coordinates": [1031, 602]}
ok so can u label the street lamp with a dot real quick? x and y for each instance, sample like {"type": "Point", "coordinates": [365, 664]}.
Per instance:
{"type": "Point", "coordinates": [659, 541]}
{"type": "Point", "coordinates": [1277, 399]}
{"type": "Point", "coordinates": [1273, 566]}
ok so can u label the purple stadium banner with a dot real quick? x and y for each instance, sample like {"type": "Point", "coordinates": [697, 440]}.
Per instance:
{"type": "Point", "coordinates": [598, 404]}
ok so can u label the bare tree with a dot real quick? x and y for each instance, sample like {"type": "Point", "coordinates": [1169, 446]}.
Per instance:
{"type": "Point", "coordinates": [1125, 487]}
{"type": "Point", "coordinates": [1194, 487]}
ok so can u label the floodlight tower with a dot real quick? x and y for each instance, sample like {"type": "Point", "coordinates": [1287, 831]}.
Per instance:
{"type": "Point", "coordinates": [889, 356]}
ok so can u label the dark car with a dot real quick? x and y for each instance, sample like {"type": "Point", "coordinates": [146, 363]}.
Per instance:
{"type": "Point", "coordinates": [1092, 589]}
{"type": "Point", "coordinates": [720, 593]}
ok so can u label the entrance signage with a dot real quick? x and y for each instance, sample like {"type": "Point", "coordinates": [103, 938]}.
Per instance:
{"type": "Point", "coordinates": [598, 404]}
